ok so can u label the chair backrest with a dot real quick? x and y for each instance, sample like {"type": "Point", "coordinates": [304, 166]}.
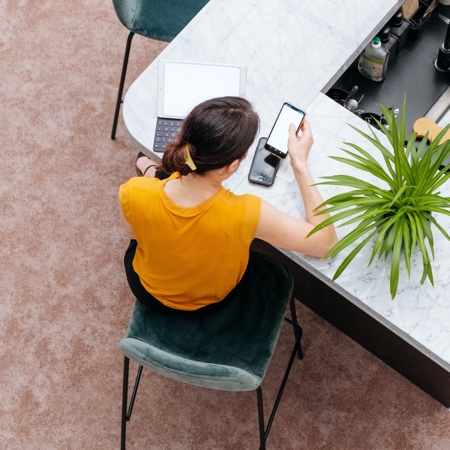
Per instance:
{"type": "Point", "coordinates": [157, 19]}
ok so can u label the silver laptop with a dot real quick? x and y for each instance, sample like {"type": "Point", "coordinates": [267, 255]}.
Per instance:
{"type": "Point", "coordinates": [183, 85]}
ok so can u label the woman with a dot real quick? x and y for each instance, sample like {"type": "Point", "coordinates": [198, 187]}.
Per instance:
{"type": "Point", "coordinates": [190, 237]}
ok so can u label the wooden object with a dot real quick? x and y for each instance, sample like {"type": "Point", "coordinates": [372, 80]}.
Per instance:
{"type": "Point", "coordinates": [423, 125]}
{"type": "Point", "coordinates": [409, 8]}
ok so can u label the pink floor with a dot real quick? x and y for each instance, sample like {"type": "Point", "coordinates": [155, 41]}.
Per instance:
{"type": "Point", "coordinates": [65, 304]}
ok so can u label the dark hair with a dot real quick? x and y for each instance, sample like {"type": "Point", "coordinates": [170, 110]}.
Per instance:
{"type": "Point", "coordinates": [216, 133]}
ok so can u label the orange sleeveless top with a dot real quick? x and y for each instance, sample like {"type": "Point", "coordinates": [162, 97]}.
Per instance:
{"type": "Point", "coordinates": [188, 258]}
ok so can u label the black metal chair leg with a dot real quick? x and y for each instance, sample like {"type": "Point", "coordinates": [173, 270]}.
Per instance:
{"type": "Point", "coordinates": [297, 328]}
{"type": "Point", "coordinates": [126, 415]}
{"type": "Point", "coordinates": [262, 437]}
{"type": "Point", "coordinates": [297, 350]}
{"type": "Point", "coordinates": [281, 390]}
{"type": "Point", "coordinates": [126, 370]}
{"type": "Point", "coordinates": [133, 395]}
{"type": "Point", "coordinates": [122, 82]}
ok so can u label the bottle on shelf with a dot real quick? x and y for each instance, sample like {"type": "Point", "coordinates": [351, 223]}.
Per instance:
{"type": "Point", "coordinates": [373, 62]}
{"type": "Point", "coordinates": [389, 42]}
{"type": "Point", "coordinates": [400, 28]}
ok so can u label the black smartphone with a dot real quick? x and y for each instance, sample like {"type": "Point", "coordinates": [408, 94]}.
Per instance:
{"type": "Point", "coordinates": [264, 165]}
{"type": "Point", "coordinates": [277, 142]}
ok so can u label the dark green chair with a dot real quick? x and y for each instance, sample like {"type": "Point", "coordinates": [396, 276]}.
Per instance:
{"type": "Point", "coordinates": [156, 19]}
{"type": "Point", "coordinates": [228, 350]}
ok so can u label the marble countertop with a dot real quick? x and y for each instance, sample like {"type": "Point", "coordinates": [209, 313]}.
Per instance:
{"type": "Point", "coordinates": [294, 51]}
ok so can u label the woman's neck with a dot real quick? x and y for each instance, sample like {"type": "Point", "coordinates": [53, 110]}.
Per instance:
{"type": "Point", "coordinates": [193, 190]}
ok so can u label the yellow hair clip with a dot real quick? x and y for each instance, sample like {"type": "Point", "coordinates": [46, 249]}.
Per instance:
{"type": "Point", "coordinates": [190, 163]}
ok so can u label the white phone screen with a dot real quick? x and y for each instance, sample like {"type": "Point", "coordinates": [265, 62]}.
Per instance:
{"type": "Point", "coordinates": [279, 135]}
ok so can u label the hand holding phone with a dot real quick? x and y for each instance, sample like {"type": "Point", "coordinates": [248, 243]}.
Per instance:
{"type": "Point", "coordinates": [277, 142]}
{"type": "Point", "coordinates": [300, 143]}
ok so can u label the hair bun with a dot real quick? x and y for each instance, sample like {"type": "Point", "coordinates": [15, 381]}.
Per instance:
{"type": "Point", "coordinates": [174, 158]}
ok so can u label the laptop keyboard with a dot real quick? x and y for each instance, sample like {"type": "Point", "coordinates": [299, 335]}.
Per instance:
{"type": "Point", "coordinates": [166, 132]}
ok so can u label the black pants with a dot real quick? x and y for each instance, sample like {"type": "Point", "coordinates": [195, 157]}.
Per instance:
{"type": "Point", "coordinates": [161, 175]}
{"type": "Point", "coordinates": [147, 299]}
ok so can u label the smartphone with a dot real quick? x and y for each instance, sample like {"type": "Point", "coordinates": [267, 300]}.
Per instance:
{"type": "Point", "coordinates": [264, 165]}
{"type": "Point", "coordinates": [277, 142]}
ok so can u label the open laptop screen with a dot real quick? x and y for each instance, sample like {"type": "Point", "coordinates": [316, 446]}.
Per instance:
{"type": "Point", "coordinates": [183, 85]}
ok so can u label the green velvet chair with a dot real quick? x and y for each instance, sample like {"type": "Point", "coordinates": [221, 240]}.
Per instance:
{"type": "Point", "coordinates": [156, 19]}
{"type": "Point", "coordinates": [227, 350]}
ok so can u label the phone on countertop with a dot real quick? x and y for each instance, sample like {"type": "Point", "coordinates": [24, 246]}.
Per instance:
{"type": "Point", "coordinates": [277, 142]}
{"type": "Point", "coordinates": [264, 165]}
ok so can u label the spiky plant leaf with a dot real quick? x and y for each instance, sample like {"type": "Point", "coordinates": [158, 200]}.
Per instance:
{"type": "Point", "coordinates": [398, 217]}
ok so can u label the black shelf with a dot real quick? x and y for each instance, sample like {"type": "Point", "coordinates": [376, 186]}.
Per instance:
{"type": "Point", "coordinates": [411, 73]}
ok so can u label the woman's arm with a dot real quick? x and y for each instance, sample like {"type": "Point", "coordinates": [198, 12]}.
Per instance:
{"type": "Point", "coordinates": [283, 230]}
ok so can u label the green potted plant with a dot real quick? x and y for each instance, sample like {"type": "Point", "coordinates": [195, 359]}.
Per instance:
{"type": "Point", "coordinates": [396, 214]}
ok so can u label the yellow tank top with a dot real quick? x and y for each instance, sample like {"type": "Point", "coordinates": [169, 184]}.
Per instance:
{"type": "Point", "coordinates": [188, 258]}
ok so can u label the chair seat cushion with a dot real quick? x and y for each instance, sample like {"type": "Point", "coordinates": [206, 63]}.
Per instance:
{"type": "Point", "coordinates": [229, 349]}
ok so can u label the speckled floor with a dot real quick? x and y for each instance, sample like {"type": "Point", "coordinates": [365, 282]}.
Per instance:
{"type": "Point", "coordinates": [65, 303]}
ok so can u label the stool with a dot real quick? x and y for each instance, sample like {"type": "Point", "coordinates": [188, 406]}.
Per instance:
{"type": "Point", "coordinates": [227, 350]}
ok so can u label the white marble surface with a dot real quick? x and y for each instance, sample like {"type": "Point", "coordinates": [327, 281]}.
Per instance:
{"type": "Point", "coordinates": [294, 50]}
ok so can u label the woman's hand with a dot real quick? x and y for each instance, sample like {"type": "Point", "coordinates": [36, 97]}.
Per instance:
{"type": "Point", "coordinates": [300, 146]}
